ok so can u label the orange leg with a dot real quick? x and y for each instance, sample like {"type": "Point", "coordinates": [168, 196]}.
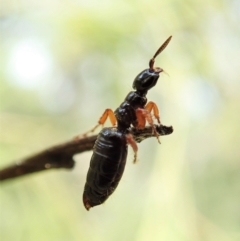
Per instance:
{"type": "Point", "coordinates": [144, 115]}
{"type": "Point", "coordinates": [151, 106]}
{"type": "Point", "coordinates": [141, 118]}
{"type": "Point", "coordinates": [133, 144]}
{"type": "Point", "coordinates": [107, 113]}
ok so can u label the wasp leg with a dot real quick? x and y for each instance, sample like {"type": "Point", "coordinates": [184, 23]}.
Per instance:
{"type": "Point", "coordinates": [133, 144]}
{"type": "Point", "coordinates": [107, 113]}
{"type": "Point", "coordinates": [141, 118]}
{"type": "Point", "coordinates": [144, 115]}
{"type": "Point", "coordinates": [151, 106]}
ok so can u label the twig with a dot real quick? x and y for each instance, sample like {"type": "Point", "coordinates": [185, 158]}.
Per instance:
{"type": "Point", "coordinates": [61, 156]}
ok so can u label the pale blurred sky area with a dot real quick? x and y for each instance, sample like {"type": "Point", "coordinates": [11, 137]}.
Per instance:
{"type": "Point", "coordinates": [62, 63]}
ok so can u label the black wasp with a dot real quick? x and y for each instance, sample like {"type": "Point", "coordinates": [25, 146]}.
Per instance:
{"type": "Point", "coordinates": [110, 150]}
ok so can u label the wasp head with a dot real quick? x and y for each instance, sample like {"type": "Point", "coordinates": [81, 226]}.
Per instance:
{"type": "Point", "coordinates": [148, 77]}
{"type": "Point", "coordinates": [146, 80]}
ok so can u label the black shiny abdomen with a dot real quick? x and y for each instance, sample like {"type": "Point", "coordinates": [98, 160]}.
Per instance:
{"type": "Point", "coordinates": [106, 166]}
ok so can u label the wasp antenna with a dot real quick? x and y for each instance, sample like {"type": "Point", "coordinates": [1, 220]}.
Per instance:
{"type": "Point", "coordinates": [161, 48]}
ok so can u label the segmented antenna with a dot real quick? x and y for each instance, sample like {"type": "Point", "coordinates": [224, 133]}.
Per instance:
{"type": "Point", "coordinates": [162, 47]}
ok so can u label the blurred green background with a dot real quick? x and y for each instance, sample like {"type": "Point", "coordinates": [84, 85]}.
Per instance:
{"type": "Point", "coordinates": [64, 62]}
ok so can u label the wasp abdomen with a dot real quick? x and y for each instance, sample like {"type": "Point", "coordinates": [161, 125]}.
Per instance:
{"type": "Point", "coordinates": [106, 166]}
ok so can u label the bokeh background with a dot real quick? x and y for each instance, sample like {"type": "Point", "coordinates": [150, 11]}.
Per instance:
{"type": "Point", "coordinates": [64, 62]}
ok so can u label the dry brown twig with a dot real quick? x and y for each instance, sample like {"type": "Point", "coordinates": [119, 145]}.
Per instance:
{"type": "Point", "coordinates": [61, 156]}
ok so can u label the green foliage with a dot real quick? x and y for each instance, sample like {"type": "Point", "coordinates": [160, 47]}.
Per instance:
{"type": "Point", "coordinates": [62, 63]}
